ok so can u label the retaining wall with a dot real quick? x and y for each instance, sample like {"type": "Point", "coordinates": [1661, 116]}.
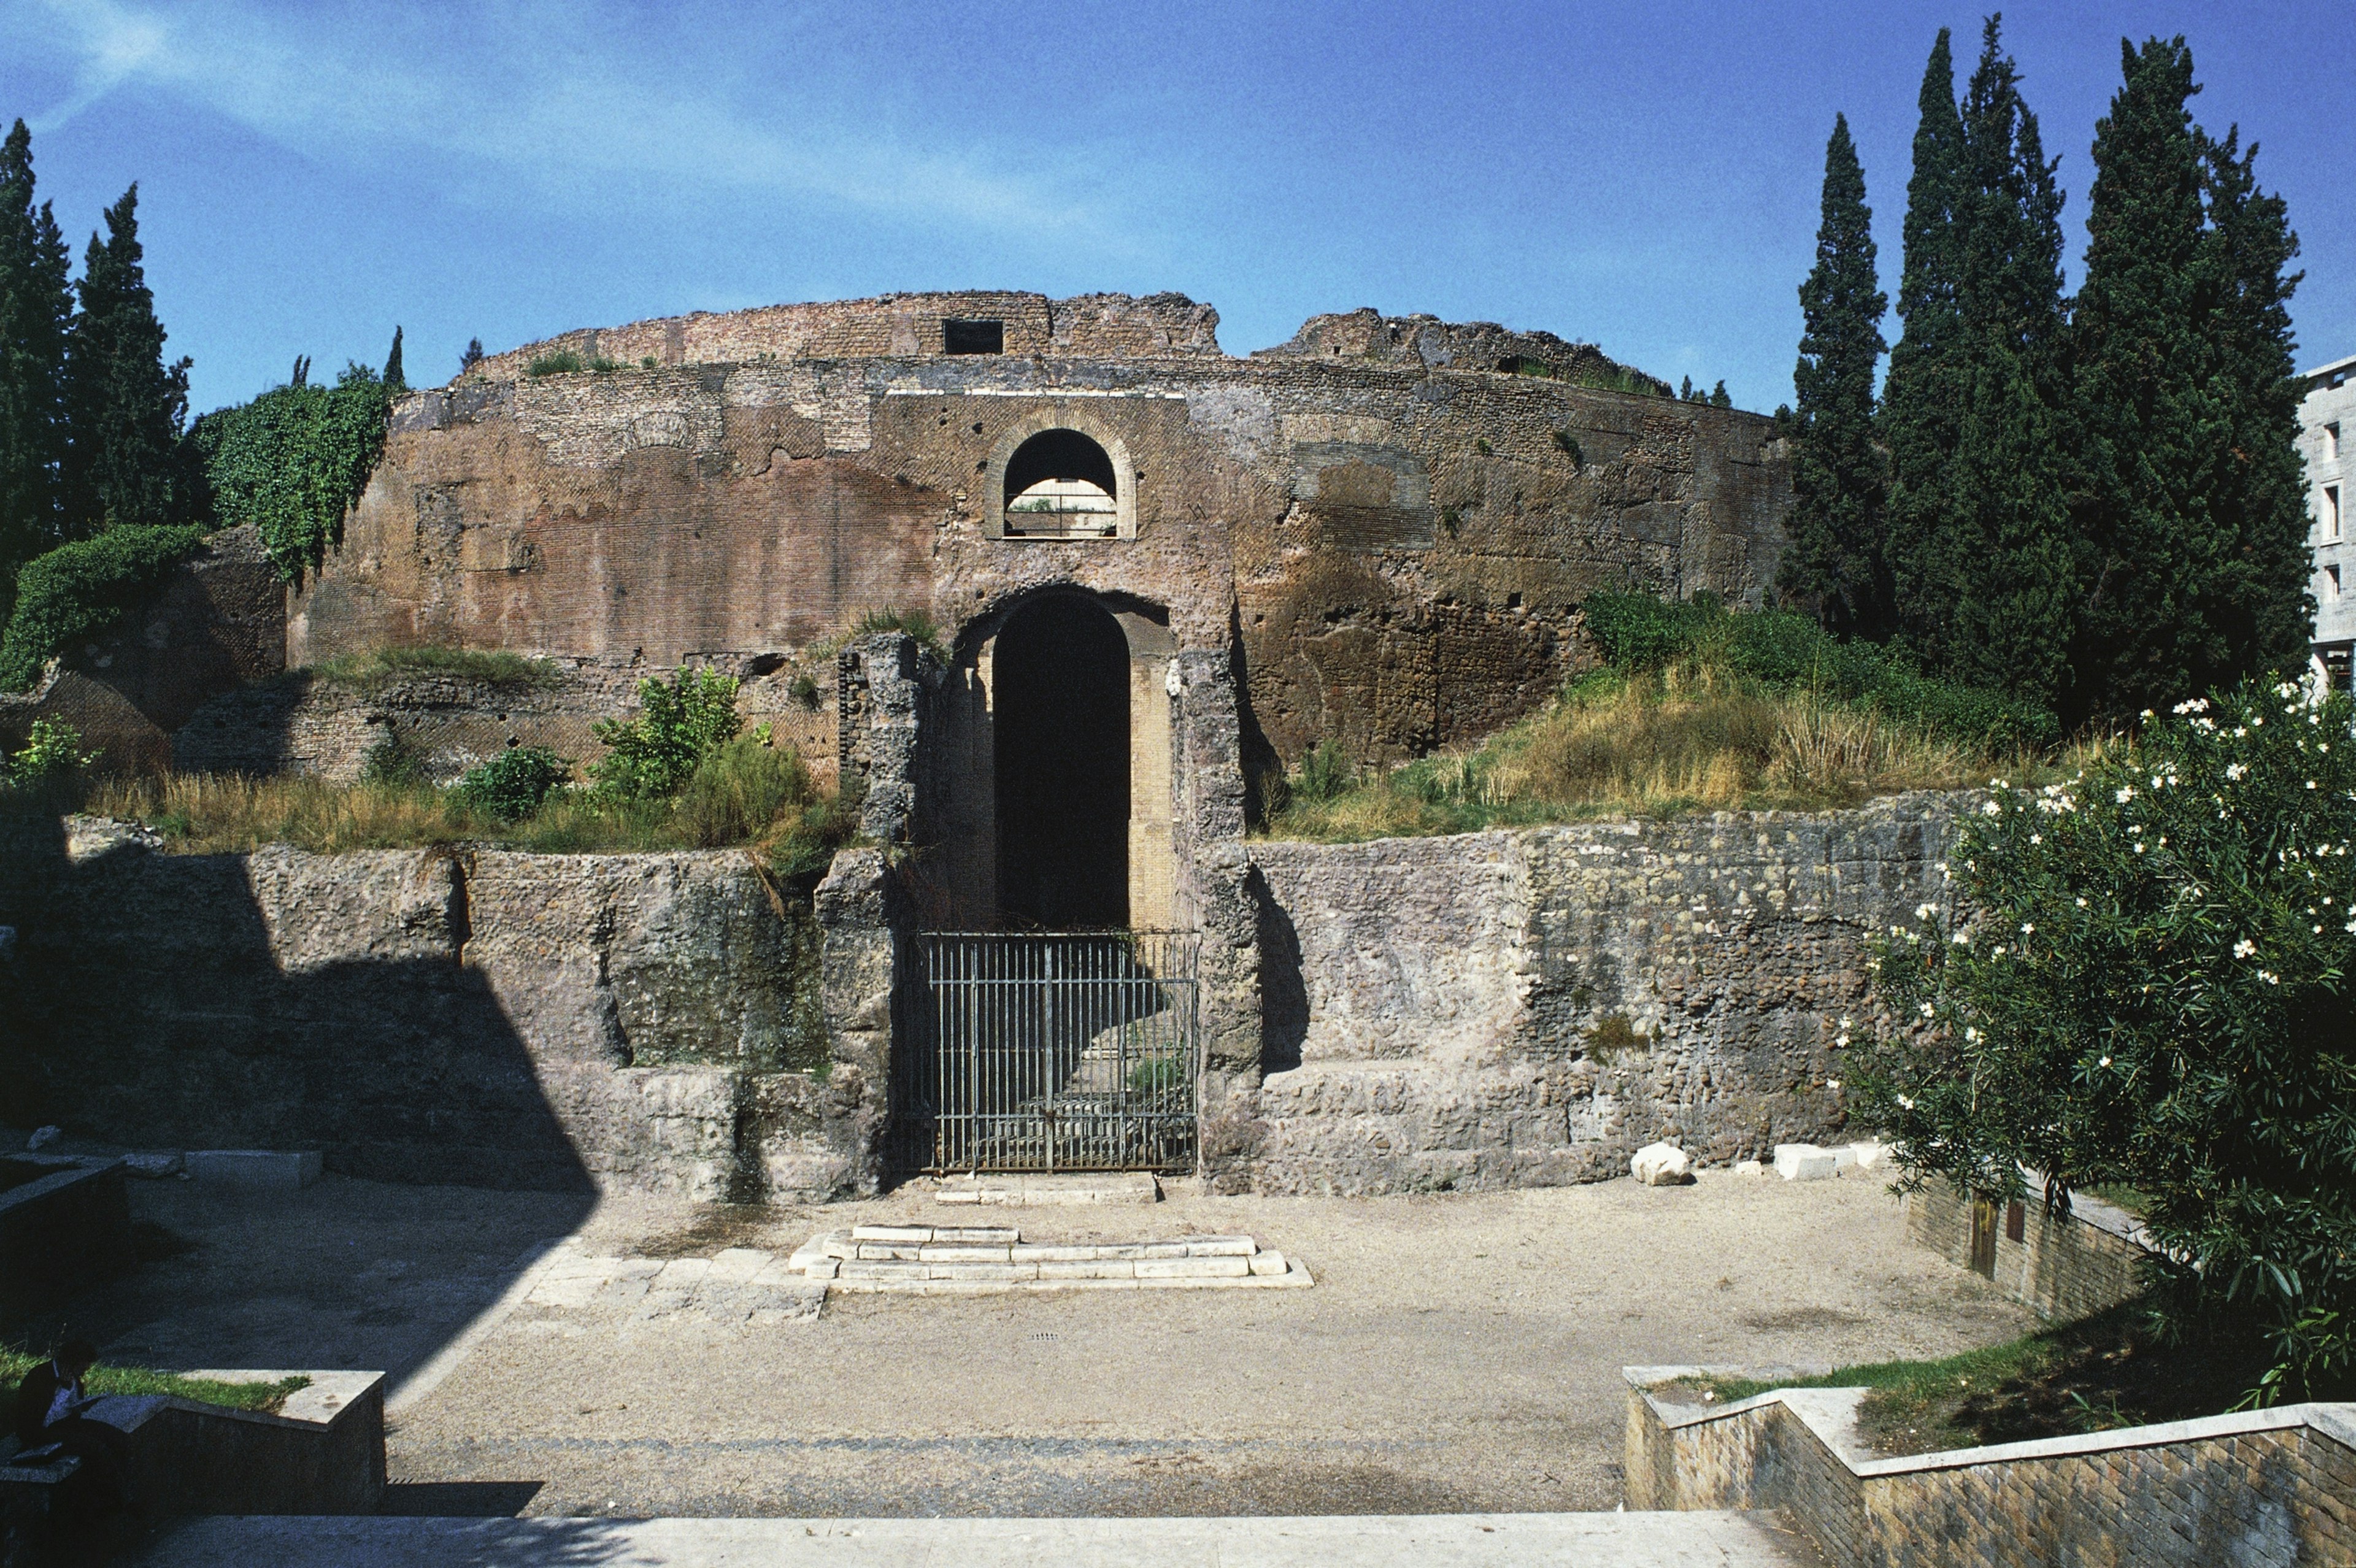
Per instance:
{"type": "Point", "coordinates": [2064, 1267]}
{"type": "Point", "coordinates": [2267, 1487]}
{"type": "Point", "coordinates": [503, 1020]}
{"type": "Point", "coordinates": [1531, 1007]}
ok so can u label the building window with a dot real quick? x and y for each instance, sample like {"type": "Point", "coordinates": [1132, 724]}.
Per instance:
{"type": "Point", "coordinates": [2331, 511]}
{"type": "Point", "coordinates": [2330, 583]}
{"type": "Point", "coordinates": [2332, 442]}
{"type": "Point", "coordinates": [974, 336]}
{"type": "Point", "coordinates": [1061, 484]}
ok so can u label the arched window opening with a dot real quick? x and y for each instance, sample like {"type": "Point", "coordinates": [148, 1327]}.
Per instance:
{"type": "Point", "coordinates": [1060, 485]}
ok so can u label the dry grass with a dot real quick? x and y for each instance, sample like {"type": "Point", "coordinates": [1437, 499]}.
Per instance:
{"type": "Point", "coordinates": [1675, 741]}
{"type": "Point", "coordinates": [205, 813]}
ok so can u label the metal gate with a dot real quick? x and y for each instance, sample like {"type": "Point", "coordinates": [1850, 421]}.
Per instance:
{"type": "Point", "coordinates": [1048, 1051]}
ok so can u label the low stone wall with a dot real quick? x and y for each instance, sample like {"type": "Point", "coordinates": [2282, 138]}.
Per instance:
{"type": "Point", "coordinates": [323, 1452]}
{"type": "Point", "coordinates": [65, 1227]}
{"type": "Point", "coordinates": [2064, 1267]}
{"type": "Point", "coordinates": [647, 1022]}
{"type": "Point", "coordinates": [2267, 1487]}
{"type": "Point", "coordinates": [1529, 1007]}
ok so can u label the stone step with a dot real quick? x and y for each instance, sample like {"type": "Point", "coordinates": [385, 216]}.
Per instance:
{"type": "Point", "coordinates": [1048, 1191]}
{"type": "Point", "coordinates": [1695, 1540]}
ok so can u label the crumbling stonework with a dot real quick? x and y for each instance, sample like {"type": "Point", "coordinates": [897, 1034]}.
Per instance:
{"type": "Point", "coordinates": [538, 1020]}
{"type": "Point", "coordinates": [1529, 1007]}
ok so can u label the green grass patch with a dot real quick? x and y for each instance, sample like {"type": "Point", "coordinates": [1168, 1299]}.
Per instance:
{"type": "Point", "coordinates": [2102, 1374]}
{"type": "Point", "coordinates": [263, 1396]}
{"type": "Point", "coordinates": [380, 668]}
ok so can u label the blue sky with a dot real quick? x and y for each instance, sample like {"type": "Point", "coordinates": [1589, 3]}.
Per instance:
{"type": "Point", "coordinates": [1645, 177]}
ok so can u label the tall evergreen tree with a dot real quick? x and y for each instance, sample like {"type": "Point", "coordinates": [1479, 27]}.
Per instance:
{"type": "Point", "coordinates": [2008, 551]}
{"type": "Point", "coordinates": [126, 407]}
{"type": "Point", "coordinates": [393, 379]}
{"type": "Point", "coordinates": [35, 303]}
{"type": "Point", "coordinates": [1922, 400]}
{"type": "Point", "coordinates": [1836, 560]}
{"type": "Point", "coordinates": [2262, 606]}
{"type": "Point", "coordinates": [2190, 505]}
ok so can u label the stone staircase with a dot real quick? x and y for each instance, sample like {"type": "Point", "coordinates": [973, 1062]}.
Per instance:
{"type": "Point", "coordinates": [978, 1259]}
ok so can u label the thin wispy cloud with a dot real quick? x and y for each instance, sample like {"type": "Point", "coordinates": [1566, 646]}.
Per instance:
{"type": "Point", "coordinates": [556, 103]}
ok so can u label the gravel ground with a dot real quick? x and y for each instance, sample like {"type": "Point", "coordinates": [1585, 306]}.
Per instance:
{"type": "Point", "coordinates": [1460, 1352]}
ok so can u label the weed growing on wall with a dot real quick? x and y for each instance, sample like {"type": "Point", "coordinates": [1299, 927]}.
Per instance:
{"type": "Point", "coordinates": [379, 667]}
{"type": "Point", "coordinates": [51, 753]}
{"type": "Point", "coordinates": [678, 726]}
{"type": "Point", "coordinates": [80, 590]}
{"type": "Point", "coordinates": [560, 362]}
{"type": "Point", "coordinates": [294, 460]}
{"type": "Point", "coordinates": [2150, 987]}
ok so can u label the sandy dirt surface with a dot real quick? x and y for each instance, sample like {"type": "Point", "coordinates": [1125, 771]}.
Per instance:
{"type": "Point", "coordinates": [1459, 1352]}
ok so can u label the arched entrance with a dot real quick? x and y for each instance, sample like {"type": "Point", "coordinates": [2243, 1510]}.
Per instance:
{"type": "Point", "coordinates": [1062, 727]}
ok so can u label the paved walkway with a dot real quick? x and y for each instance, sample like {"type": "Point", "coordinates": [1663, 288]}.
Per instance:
{"type": "Point", "coordinates": [1444, 1541]}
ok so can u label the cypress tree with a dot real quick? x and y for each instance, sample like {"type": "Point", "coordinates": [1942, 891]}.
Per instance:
{"type": "Point", "coordinates": [2007, 546]}
{"type": "Point", "coordinates": [36, 305]}
{"type": "Point", "coordinates": [1836, 560]}
{"type": "Point", "coordinates": [2262, 606]}
{"type": "Point", "coordinates": [126, 407]}
{"type": "Point", "coordinates": [1719, 398]}
{"type": "Point", "coordinates": [472, 356]}
{"type": "Point", "coordinates": [1922, 400]}
{"type": "Point", "coordinates": [393, 379]}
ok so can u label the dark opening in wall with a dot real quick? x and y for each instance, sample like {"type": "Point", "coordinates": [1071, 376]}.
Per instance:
{"type": "Point", "coordinates": [974, 336]}
{"type": "Point", "coordinates": [1059, 701]}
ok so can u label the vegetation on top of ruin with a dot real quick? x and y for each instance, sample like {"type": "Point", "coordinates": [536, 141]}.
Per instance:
{"type": "Point", "coordinates": [380, 668]}
{"type": "Point", "coordinates": [1700, 708]}
{"type": "Point", "coordinates": [2112, 1370]}
{"type": "Point", "coordinates": [681, 777]}
{"type": "Point", "coordinates": [918, 623]}
{"type": "Point", "coordinates": [80, 589]}
{"type": "Point", "coordinates": [295, 459]}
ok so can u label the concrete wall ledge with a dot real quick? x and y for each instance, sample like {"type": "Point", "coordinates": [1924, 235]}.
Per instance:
{"type": "Point", "coordinates": [322, 1453]}
{"type": "Point", "coordinates": [2259, 1486]}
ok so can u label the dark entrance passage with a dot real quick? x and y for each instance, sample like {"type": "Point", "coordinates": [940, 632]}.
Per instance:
{"type": "Point", "coordinates": [1060, 699]}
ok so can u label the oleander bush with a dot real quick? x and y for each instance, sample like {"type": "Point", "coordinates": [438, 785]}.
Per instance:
{"type": "Point", "coordinates": [2143, 980]}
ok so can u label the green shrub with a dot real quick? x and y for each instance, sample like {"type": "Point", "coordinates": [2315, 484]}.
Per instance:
{"type": "Point", "coordinates": [1643, 631]}
{"type": "Point", "coordinates": [678, 725]}
{"type": "Point", "coordinates": [604, 367]}
{"type": "Point", "coordinates": [559, 362]}
{"type": "Point", "coordinates": [1323, 773]}
{"type": "Point", "coordinates": [511, 785]}
{"type": "Point", "coordinates": [294, 460]}
{"type": "Point", "coordinates": [2150, 988]}
{"type": "Point", "coordinates": [80, 590]}
{"type": "Point", "coordinates": [51, 753]}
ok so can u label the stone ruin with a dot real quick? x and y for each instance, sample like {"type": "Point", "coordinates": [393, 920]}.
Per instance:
{"type": "Point", "coordinates": [1160, 575]}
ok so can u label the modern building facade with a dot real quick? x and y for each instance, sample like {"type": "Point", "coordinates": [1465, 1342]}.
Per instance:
{"type": "Point", "coordinates": [2327, 420]}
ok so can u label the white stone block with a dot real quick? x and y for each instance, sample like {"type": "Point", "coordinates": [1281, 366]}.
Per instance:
{"type": "Point", "coordinates": [1220, 1246]}
{"type": "Point", "coordinates": [1265, 1264]}
{"type": "Point", "coordinates": [1036, 1254]}
{"type": "Point", "coordinates": [963, 1254]}
{"type": "Point", "coordinates": [1749, 1167]}
{"type": "Point", "coordinates": [892, 1269]}
{"type": "Point", "coordinates": [1871, 1155]}
{"type": "Point", "coordinates": [919, 1235]}
{"type": "Point", "coordinates": [991, 1273]}
{"type": "Point", "coordinates": [260, 1170]}
{"type": "Point", "coordinates": [1661, 1164]}
{"type": "Point", "coordinates": [1804, 1162]}
{"type": "Point", "coordinates": [823, 1268]}
{"type": "Point", "coordinates": [1844, 1158]}
{"type": "Point", "coordinates": [738, 1262]}
{"type": "Point", "coordinates": [979, 1235]}
{"type": "Point", "coordinates": [1193, 1268]}
{"type": "Point", "coordinates": [1093, 1269]}
{"type": "Point", "coordinates": [873, 1251]}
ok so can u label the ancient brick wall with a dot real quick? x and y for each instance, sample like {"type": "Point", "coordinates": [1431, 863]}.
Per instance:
{"type": "Point", "coordinates": [502, 1019]}
{"type": "Point", "coordinates": [1529, 1007]}
{"type": "Point", "coordinates": [2265, 1487]}
{"type": "Point", "coordinates": [1390, 546]}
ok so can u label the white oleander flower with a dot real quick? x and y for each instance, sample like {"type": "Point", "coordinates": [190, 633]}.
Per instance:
{"type": "Point", "coordinates": [2245, 948]}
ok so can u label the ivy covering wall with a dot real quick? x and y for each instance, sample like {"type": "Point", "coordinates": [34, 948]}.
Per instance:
{"type": "Point", "coordinates": [293, 460]}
